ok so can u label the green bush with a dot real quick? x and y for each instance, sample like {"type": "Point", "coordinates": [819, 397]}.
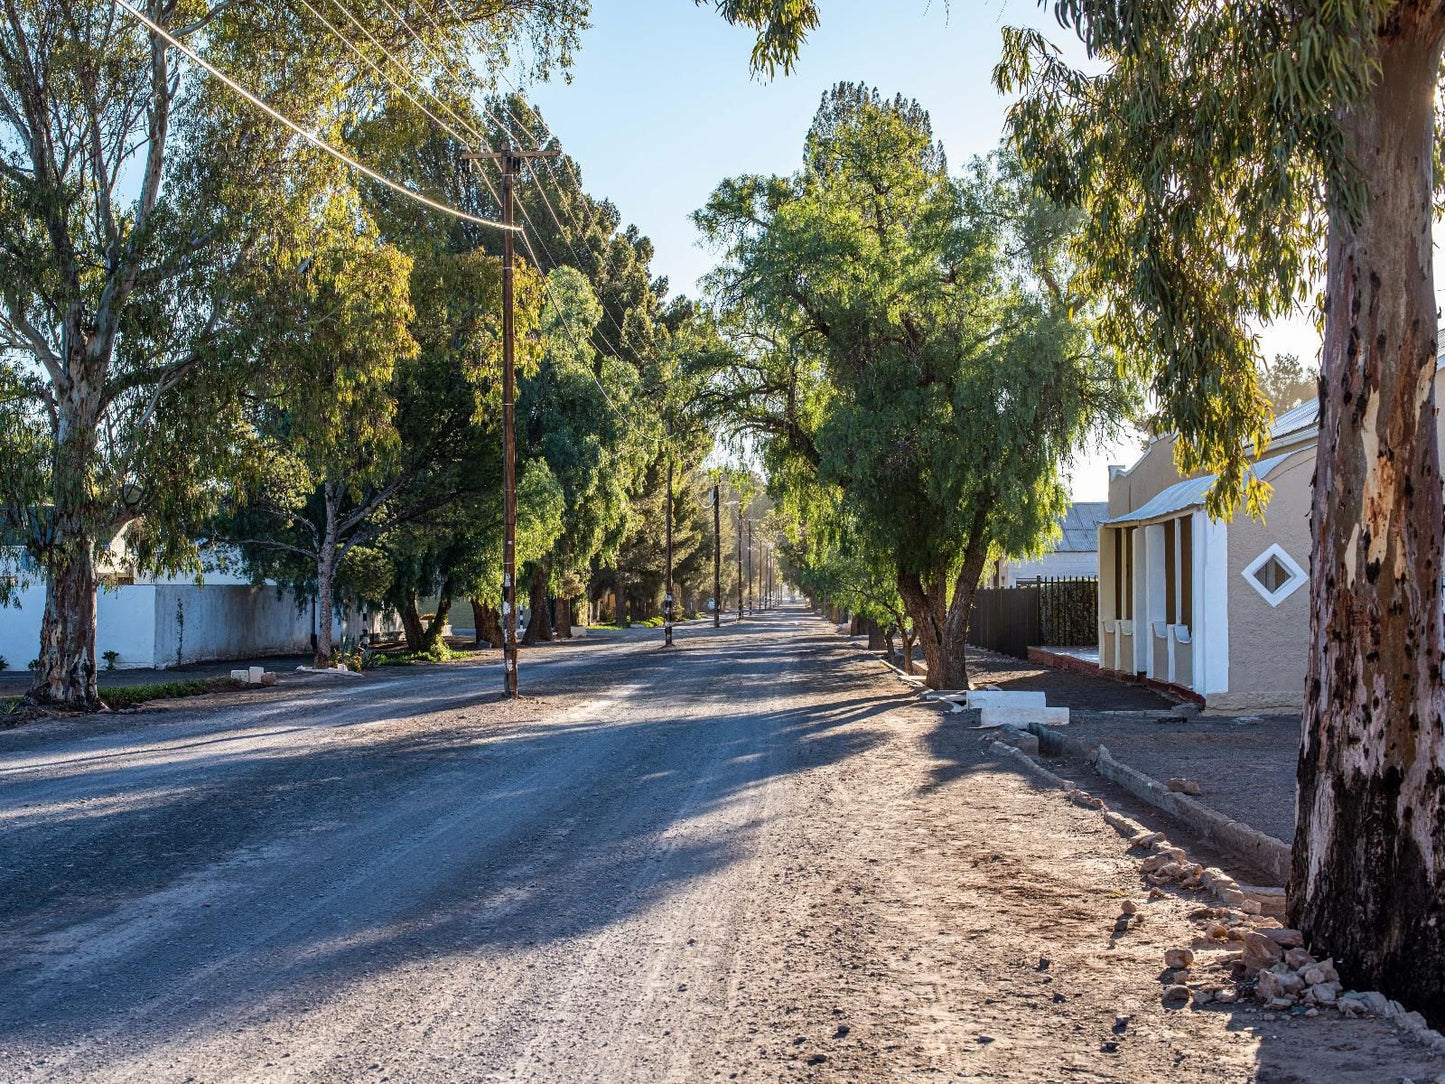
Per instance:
{"type": "Point", "coordinates": [128, 696]}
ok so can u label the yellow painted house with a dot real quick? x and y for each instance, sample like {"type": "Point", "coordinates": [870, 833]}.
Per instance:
{"type": "Point", "coordinates": [1218, 612]}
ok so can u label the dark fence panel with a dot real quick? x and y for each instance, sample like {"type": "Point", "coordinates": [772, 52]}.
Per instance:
{"type": "Point", "coordinates": [1069, 612]}
{"type": "Point", "coordinates": [1005, 619]}
{"type": "Point", "coordinates": [1056, 613]}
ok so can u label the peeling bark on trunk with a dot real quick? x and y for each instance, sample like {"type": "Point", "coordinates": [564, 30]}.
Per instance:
{"type": "Point", "coordinates": [539, 626]}
{"type": "Point", "coordinates": [1367, 884]}
{"type": "Point", "coordinates": [487, 621]}
{"type": "Point", "coordinates": [66, 675]}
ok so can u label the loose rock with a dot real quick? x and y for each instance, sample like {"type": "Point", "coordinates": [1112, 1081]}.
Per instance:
{"type": "Point", "coordinates": [1175, 996]}
{"type": "Point", "coordinates": [1285, 938]}
{"type": "Point", "coordinates": [1184, 786]}
{"type": "Point", "coordinates": [1260, 952]}
{"type": "Point", "coordinates": [1178, 958]}
{"type": "Point", "coordinates": [1298, 959]}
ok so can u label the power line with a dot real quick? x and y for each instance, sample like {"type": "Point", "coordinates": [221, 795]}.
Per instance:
{"type": "Point", "coordinates": [443, 125]}
{"type": "Point", "coordinates": [477, 135]}
{"type": "Point", "coordinates": [310, 137]}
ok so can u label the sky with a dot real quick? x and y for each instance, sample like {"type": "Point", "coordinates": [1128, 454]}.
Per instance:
{"type": "Point", "coordinates": [662, 106]}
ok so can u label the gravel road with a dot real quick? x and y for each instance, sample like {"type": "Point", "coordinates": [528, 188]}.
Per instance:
{"type": "Point", "coordinates": [755, 857]}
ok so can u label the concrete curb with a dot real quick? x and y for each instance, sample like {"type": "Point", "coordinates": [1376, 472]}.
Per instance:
{"type": "Point", "coordinates": [1214, 882]}
{"type": "Point", "coordinates": [1260, 850]}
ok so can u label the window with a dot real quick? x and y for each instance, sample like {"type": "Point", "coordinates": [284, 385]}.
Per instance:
{"type": "Point", "coordinates": [1275, 575]}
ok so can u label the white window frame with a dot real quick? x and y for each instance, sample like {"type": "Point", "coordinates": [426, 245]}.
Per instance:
{"type": "Point", "coordinates": [1298, 577]}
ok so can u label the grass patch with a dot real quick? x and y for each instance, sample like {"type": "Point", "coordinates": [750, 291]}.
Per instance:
{"type": "Point", "coordinates": [442, 652]}
{"type": "Point", "coordinates": [128, 696]}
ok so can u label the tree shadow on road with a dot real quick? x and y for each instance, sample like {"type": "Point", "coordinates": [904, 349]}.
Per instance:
{"type": "Point", "coordinates": [225, 871]}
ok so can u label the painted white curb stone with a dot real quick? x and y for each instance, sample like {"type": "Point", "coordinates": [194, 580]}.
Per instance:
{"type": "Point", "coordinates": [989, 698]}
{"type": "Point", "coordinates": [1021, 717]}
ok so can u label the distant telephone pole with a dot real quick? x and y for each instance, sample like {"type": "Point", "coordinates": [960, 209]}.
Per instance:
{"type": "Point", "coordinates": [510, 160]}
{"type": "Point", "coordinates": [740, 559]}
{"type": "Point", "coordinates": [716, 556]}
{"type": "Point", "coordinates": [752, 596]}
{"type": "Point", "coordinates": [667, 595]}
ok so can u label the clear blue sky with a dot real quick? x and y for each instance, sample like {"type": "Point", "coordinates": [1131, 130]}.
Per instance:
{"type": "Point", "coordinates": [662, 107]}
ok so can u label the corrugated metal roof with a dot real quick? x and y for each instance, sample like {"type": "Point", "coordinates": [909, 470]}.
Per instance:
{"type": "Point", "coordinates": [1187, 494]}
{"type": "Point", "coordinates": [1306, 416]}
{"type": "Point", "coordinates": [1080, 525]}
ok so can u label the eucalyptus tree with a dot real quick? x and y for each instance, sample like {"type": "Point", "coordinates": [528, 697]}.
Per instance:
{"type": "Point", "coordinates": [383, 375]}
{"type": "Point", "coordinates": [1226, 154]}
{"type": "Point", "coordinates": [129, 210]}
{"type": "Point", "coordinates": [913, 342]}
{"type": "Point", "coordinates": [578, 415]}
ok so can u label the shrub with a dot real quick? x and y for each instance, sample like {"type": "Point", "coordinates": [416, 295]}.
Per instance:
{"type": "Point", "coordinates": [128, 696]}
{"type": "Point", "coordinates": [110, 657]}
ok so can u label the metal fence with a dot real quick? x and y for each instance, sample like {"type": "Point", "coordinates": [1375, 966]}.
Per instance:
{"type": "Point", "coordinates": [1048, 612]}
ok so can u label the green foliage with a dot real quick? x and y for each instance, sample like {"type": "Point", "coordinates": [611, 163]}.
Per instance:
{"type": "Point", "coordinates": [133, 233]}
{"type": "Point", "coordinates": [781, 26]}
{"type": "Point", "coordinates": [909, 347]}
{"type": "Point", "coordinates": [129, 696]}
{"type": "Point", "coordinates": [1207, 157]}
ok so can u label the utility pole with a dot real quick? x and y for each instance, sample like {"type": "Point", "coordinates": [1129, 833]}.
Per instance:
{"type": "Point", "coordinates": [751, 596]}
{"type": "Point", "coordinates": [716, 556]}
{"type": "Point", "coordinates": [510, 160]}
{"type": "Point", "coordinates": [769, 571]}
{"type": "Point", "coordinates": [740, 559]}
{"type": "Point", "coordinates": [667, 589]}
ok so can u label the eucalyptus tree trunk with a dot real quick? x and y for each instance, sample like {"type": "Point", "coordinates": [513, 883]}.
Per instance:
{"type": "Point", "coordinates": [65, 674]}
{"type": "Point", "coordinates": [539, 627]}
{"type": "Point", "coordinates": [563, 630]}
{"type": "Point", "coordinates": [1367, 883]}
{"type": "Point", "coordinates": [326, 581]}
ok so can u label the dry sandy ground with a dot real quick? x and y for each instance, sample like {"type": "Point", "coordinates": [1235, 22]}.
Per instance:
{"type": "Point", "coordinates": [754, 858]}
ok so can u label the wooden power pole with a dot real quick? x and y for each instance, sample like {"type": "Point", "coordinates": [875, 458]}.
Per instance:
{"type": "Point", "coordinates": [740, 559]}
{"type": "Point", "coordinates": [752, 596]}
{"type": "Point", "coordinates": [667, 589]}
{"type": "Point", "coordinates": [716, 556]}
{"type": "Point", "coordinates": [510, 160]}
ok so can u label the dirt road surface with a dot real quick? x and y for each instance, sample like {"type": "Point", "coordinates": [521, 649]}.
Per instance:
{"type": "Point", "coordinates": [756, 857]}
